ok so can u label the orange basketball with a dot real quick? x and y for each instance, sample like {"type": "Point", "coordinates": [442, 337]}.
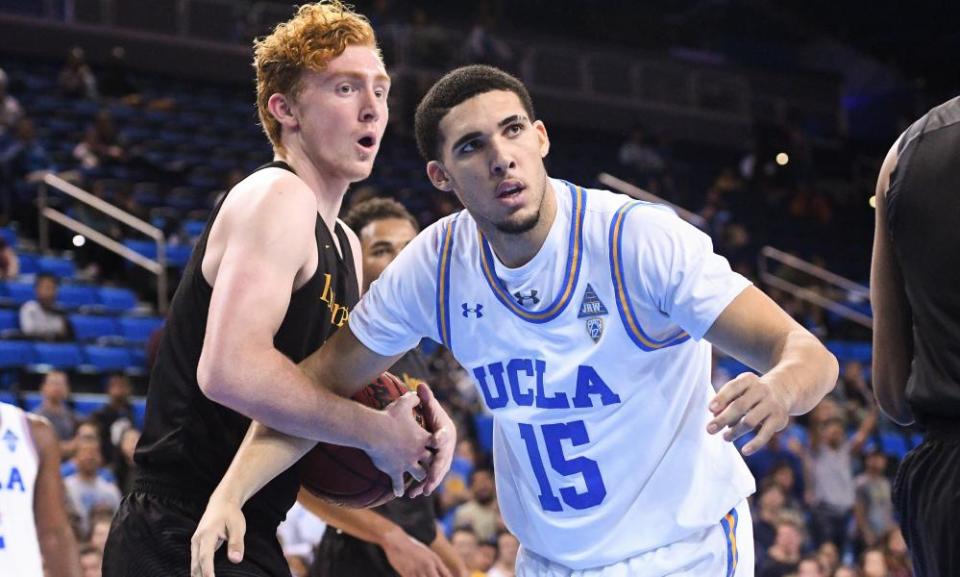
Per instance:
{"type": "Point", "coordinates": [346, 475]}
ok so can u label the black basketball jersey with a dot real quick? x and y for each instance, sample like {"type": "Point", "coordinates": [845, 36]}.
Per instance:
{"type": "Point", "coordinates": [923, 204]}
{"type": "Point", "coordinates": [188, 440]}
{"type": "Point", "coordinates": [341, 554]}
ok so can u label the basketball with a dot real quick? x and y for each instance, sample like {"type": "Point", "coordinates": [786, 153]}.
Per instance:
{"type": "Point", "coordinates": [346, 475]}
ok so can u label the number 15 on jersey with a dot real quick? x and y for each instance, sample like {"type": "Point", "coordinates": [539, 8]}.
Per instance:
{"type": "Point", "coordinates": [553, 436]}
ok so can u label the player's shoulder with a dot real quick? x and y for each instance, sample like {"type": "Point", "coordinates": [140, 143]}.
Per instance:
{"type": "Point", "coordinates": [270, 189]}
{"type": "Point", "coordinates": [610, 205]}
{"type": "Point", "coordinates": [456, 227]}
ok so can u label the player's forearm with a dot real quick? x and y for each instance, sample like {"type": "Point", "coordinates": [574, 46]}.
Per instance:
{"type": "Point", "coordinates": [804, 371]}
{"type": "Point", "coordinates": [262, 456]}
{"type": "Point", "coordinates": [444, 549]}
{"type": "Point", "coordinates": [362, 524]}
{"type": "Point", "coordinates": [59, 550]}
{"type": "Point", "coordinates": [267, 387]}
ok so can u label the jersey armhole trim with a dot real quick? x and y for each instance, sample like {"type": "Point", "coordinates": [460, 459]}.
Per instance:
{"type": "Point", "coordinates": [624, 305]}
{"type": "Point", "coordinates": [443, 285]}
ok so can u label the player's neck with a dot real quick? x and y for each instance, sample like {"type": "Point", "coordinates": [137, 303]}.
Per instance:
{"type": "Point", "coordinates": [517, 249]}
{"type": "Point", "coordinates": [329, 191]}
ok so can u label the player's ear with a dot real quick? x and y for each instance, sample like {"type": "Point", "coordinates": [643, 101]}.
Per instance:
{"type": "Point", "coordinates": [438, 176]}
{"type": "Point", "coordinates": [543, 137]}
{"type": "Point", "coordinates": [281, 107]}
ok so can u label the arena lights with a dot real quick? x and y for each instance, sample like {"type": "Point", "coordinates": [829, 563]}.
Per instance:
{"type": "Point", "coordinates": [783, 158]}
{"type": "Point", "coordinates": [79, 240]}
{"type": "Point", "coordinates": [873, 201]}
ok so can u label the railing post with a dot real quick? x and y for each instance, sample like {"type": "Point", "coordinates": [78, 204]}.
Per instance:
{"type": "Point", "coordinates": [43, 226]}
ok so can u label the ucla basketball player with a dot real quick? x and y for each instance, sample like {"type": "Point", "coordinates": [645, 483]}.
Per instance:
{"type": "Point", "coordinates": [34, 530]}
{"type": "Point", "coordinates": [607, 438]}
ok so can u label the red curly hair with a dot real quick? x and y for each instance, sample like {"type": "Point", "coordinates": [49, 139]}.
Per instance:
{"type": "Point", "coordinates": [317, 34]}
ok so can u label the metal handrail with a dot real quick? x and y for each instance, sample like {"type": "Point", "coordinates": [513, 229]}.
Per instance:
{"type": "Point", "coordinates": [803, 293]}
{"type": "Point", "coordinates": [635, 191]}
{"type": "Point", "coordinates": [157, 267]}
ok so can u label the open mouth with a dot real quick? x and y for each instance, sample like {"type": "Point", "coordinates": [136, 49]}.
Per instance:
{"type": "Point", "coordinates": [367, 142]}
{"type": "Point", "coordinates": [509, 188]}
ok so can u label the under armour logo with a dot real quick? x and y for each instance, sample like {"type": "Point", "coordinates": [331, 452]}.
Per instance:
{"type": "Point", "coordinates": [467, 311]}
{"type": "Point", "coordinates": [523, 298]}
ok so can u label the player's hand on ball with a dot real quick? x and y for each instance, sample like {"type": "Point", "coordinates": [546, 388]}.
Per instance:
{"type": "Point", "coordinates": [401, 446]}
{"type": "Point", "coordinates": [745, 404]}
{"type": "Point", "coordinates": [443, 441]}
{"type": "Point", "coordinates": [221, 522]}
{"type": "Point", "coordinates": [411, 558]}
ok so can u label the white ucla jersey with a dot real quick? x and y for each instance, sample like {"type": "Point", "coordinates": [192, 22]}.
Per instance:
{"type": "Point", "coordinates": [590, 359]}
{"type": "Point", "coordinates": [19, 548]}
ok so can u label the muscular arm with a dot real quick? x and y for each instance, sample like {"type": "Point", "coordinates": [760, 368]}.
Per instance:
{"type": "Point", "coordinates": [57, 543]}
{"type": "Point", "coordinates": [892, 317]}
{"type": "Point", "coordinates": [797, 369]}
{"type": "Point", "coordinates": [267, 239]}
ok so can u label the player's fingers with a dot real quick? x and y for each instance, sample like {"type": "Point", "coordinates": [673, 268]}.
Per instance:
{"type": "Point", "coordinates": [399, 487]}
{"type": "Point", "coordinates": [749, 422]}
{"type": "Point", "coordinates": [735, 410]}
{"type": "Point", "coordinates": [764, 435]}
{"type": "Point", "coordinates": [201, 556]}
{"type": "Point", "coordinates": [418, 472]}
{"type": "Point", "coordinates": [236, 529]}
{"type": "Point", "coordinates": [730, 391]}
{"type": "Point", "coordinates": [442, 569]}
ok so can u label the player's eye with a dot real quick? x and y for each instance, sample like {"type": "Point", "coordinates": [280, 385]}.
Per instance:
{"type": "Point", "coordinates": [515, 128]}
{"type": "Point", "coordinates": [345, 89]}
{"type": "Point", "coordinates": [468, 147]}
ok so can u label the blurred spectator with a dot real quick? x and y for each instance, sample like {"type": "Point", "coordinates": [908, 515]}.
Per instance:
{"type": "Point", "coordinates": [115, 80]}
{"type": "Point", "coordinates": [845, 571]}
{"type": "Point", "coordinates": [115, 417]}
{"type": "Point", "coordinates": [40, 318]}
{"type": "Point", "coordinates": [485, 557]}
{"type": "Point", "coordinates": [87, 432]}
{"type": "Point", "coordinates": [897, 554]}
{"type": "Point", "coordinates": [91, 560]}
{"type": "Point", "coordinates": [24, 157]}
{"type": "Point", "coordinates": [54, 393]}
{"type": "Point", "coordinates": [829, 556]}
{"type": "Point", "coordinates": [86, 489]}
{"type": "Point", "coordinates": [771, 457]}
{"type": "Point", "coordinates": [465, 543]}
{"type": "Point", "coordinates": [874, 564]}
{"type": "Point", "coordinates": [768, 511]}
{"type": "Point", "coordinates": [507, 547]}
{"type": "Point", "coordinates": [831, 458]}
{"type": "Point", "coordinates": [100, 521]}
{"type": "Point", "coordinates": [480, 512]}
{"type": "Point", "coordinates": [10, 109]}
{"type": "Point", "coordinates": [100, 144]}
{"type": "Point", "coordinates": [9, 262]}
{"type": "Point", "coordinates": [640, 156]}
{"type": "Point", "coordinates": [76, 80]}
{"type": "Point", "coordinates": [811, 567]}
{"type": "Point", "coordinates": [873, 510]}
{"type": "Point", "coordinates": [783, 557]}
{"type": "Point", "coordinates": [853, 387]}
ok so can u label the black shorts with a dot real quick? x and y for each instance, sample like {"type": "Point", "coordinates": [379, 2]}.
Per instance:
{"type": "Point", "coordinates": [928, 503]}
{"type": "Point", "coordinates": [150, 537]}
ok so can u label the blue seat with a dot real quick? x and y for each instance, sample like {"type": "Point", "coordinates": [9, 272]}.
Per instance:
{"type": "Point", "coordinates": [194, 228]}
{"type": "Point", "coordinates": [58, 355]}
{"type": "Point", "coordinates": [92, 327]}
{"type": "Point", "coordinates": [8, 235]}
{"type": "Point", "coordinates": [894, 444]}
{"type": "Point", "coordinates": [147, 248]}
{"type": "Point", "coordinates": [28, 264]}
{"type": "Point", "coordinates": [116, 299]}
{"type": "Point", "coordinates": [59, 267]}
{"type": "Point", "coordinates": [139, 329]}
{"type": "Point", "coordinates": [138, 358]}
{"type": "Point", "coordinates": [20, 292]}
{"type": "Point", "coordinates": [108, 358]}
{"type": "Point", "coordinates": [15, 354]}
{"type": "Point", "coordinates": [85, 404]}
{"type": "Point", "coordinates": [9, 320]}
{"type": "Point", "coordinates": [75, 296]}
{"type": "Point", "coordinates": [178, 255]}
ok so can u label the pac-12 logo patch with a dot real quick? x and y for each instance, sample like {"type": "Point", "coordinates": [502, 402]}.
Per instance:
{"type": "Point", "coordinates": [595, 328]}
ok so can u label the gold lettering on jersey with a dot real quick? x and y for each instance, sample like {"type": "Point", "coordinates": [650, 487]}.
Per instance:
{"type": "Point", "coordinates": [412, 382]}
{"type": "Point", "coordinates": [339, 314]}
